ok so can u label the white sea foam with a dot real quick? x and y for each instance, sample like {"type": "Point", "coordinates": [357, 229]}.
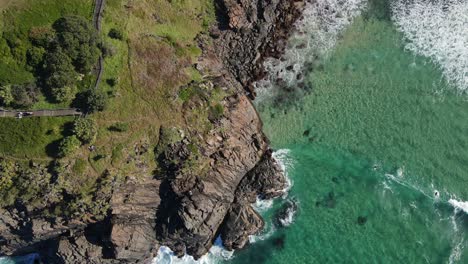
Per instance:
{"type": "Point", "coordinates": [28, 259]}
{"type": "Point", "coordinates": [316, 34]}
{"type": "Point", "coordinates": [457, 251]}
{"type": "Point", "coordinates": [217, 254]}
{"type": "Point", "coordinates": [460, 205]}
{"type": "Point", "coordinates": [262, 205]}
{"type": "Point", "coordinates": [286, 163]}
{"type": "Point", "coordinates": [437, 29]}
{"type": "Point", "coordinates": [291, 212]}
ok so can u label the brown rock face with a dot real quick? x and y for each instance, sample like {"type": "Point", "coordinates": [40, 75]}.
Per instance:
{"type": "Point", "coordinates": [194, 216]}
{"type": "Point", "coordinates": [261, 29]}
{"type": "Point", "coordinates": [185, 211]}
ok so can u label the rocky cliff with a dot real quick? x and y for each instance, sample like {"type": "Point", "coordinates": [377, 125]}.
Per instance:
{"type": "Point", "coordinates": [178, 207]}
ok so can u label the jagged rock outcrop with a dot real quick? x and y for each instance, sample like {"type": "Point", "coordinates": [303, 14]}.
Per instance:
{"type": "Point", "coordinates": [184, 210]}
{"type": "Point", "coordinates": [259, 29]}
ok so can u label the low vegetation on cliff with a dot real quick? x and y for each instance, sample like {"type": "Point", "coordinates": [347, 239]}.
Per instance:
{"type": "Point", "coordinates": [49, 52]}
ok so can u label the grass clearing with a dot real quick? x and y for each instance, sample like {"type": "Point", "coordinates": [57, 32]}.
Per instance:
{"type": "Point", "coordinates": [31, 137]}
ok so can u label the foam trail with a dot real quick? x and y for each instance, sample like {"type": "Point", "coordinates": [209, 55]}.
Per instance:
{"type": "Point", "coordinates": [460, 205]}
{"type": "Point", "coordinates": [316, 34]}
{"type": "Point", "coordinates": [217, 254]}
{"type": "Point", "coordinates": [456, 253]}
{"type": "Point", "coordinates": [28, 259]}
{"type": "Point", "coordinates": [437, 29]}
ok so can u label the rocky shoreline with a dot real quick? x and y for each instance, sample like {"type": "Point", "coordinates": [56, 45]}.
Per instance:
{"type": "Point", "coordinates": [176, 208]}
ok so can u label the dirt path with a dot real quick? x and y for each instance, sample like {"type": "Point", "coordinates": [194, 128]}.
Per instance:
{"type": "Point", "coordinates": [97, 20]}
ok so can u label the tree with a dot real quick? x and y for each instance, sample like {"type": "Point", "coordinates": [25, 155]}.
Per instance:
{"type": "Point", "coordinates": [68, 145]}
{"type": "Point", "coordinates": [60, 76]}
{"type": "Point", "coordinates": [6, 97]}
{"type": "Point", "coordinates": [85, 129]}
{"type": "Point", "coordinates": [79, 40]}
{"type": "Point", "coordinates": [94, 101]}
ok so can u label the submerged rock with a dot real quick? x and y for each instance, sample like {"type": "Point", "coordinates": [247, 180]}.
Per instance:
{"type": "Point", "coordinates": [285, 216]}
{"type": "Point", "coordinates": [362, 220]}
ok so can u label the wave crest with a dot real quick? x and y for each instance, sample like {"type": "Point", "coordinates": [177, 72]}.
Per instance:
{"type": "Point", "coordinates": [438, 30]}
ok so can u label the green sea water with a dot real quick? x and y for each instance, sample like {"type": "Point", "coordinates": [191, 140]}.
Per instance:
{"type": "Point", "coordinates": [380, 132]}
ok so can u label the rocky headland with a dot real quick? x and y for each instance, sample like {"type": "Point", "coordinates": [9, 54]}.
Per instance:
{"type": "Point", "coordinates": [176, 207]}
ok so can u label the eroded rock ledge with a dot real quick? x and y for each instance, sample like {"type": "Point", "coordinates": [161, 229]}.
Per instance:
{"type": "Point", "coordinates": [182, 210]}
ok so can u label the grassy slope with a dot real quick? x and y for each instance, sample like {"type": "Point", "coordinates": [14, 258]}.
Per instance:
{"type": "Point", "coordinates": [18, 19]}
{"type": "Point", "coordinates": [27, 138]}
{"type": "Point", "coordinates": [151, 64]}
{"type": "Point", "coordinates": [30, 137]}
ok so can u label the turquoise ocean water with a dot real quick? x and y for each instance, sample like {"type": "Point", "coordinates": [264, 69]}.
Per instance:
{"type": "Point", "coordinates": [377, 152]}
{"type": "Point", "coordinates": [378, 155]}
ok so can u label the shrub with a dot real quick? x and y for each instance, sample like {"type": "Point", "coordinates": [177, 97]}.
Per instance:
{"type": "Point", "coordinates": [85, 129]}
{"type": "Point", "coordinates": [111, 82]}
{"type": "Point", "coordinates": [63, 94]}
{"type": "Point", "coordinates": [107, 49]}
{"type": "Point", "coordinates": [216, 112]}
{"type": "Point", "coordinates": [119, 127]}
{"type": "Point", "coordinates": [94, 101]}
{"type": "Point", "coordinates": [79, 167]}
{"type": "Point", "coordinates": [41, 36]}
{"type": "Point", "coordinates": [24, 95]}
{"type": "Point", "coordinates": [68, 145]}
{"type": "Point", "coordinates": [7, 173]}
{"type": "Point", "coordinates": [6, 97]}
{"type": "Point", "coordinates": [116, 34]}
{"type": "Point", "coordinates": [34, 56]}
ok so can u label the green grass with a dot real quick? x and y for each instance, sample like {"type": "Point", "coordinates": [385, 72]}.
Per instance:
{"type": "Point", "coordinates": [31, 137]}
{"type": "Point", "coordinates": [18, 19]}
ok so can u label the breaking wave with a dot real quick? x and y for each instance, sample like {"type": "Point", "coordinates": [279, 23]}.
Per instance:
{"type": "Point", "coordinates": [460, 205]}
{"type": "Point", "coordinates": [28, 259]}
{"type": "Point", "coordinates": [315, 35]}
{"type": "Point", "coordinates": [217, 254]}
{"type": "Point", "coordinates": [437, 29]}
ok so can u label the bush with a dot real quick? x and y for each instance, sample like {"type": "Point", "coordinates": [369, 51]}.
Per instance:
{"type": "Point", "coordinates": [63, 94]}
{"type": "Point", "coordinates": [7, 173]}
{"type": "Point", "coordinates": [216, 112]}
{"type": "Point", "coordinates": [119, 127]}
{"type": "Point", "coordinates": [34, 56]}
{"type": "Point", "coordinates": [93, 101]}
{"type": "Point", "coordinates": [107, 49]}
{"type": "Point", "coordinates": [111, 82]}
{"type": "Point", "coordinates": [85, 129]}
{"type": "Point", "coordinates": [6, 97]}
{"type": "Point", "coordinates": [24, 95]}
{"type": "Point", "coordinates": [116, 34]}
{"type": "Point", "coordinates": [41, 36]}
{"type": "Point", "coordinates": [68, 146]}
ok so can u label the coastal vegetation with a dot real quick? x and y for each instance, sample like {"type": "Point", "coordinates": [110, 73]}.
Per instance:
{"type": "Point", "coordinates": [49, 52]}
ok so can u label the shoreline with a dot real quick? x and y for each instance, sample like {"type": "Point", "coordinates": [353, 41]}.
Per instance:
{"type": "Point", "coordinates": [164, 211]}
